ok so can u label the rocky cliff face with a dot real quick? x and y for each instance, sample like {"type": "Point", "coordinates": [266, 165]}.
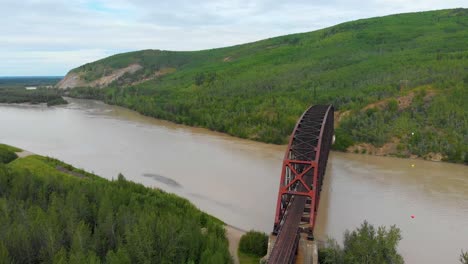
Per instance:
{"type": "Point", "coordinates": [75, 79]}
{"type": "Point", "coordinates": [71, 80]}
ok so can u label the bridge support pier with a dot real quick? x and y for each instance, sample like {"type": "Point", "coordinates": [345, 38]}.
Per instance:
{"type": "Point", "coordinates": [307, 251]}
{"type": "Point", "coordinates": [271, 244]}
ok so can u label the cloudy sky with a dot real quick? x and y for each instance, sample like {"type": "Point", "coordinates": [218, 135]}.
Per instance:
{"type": "Point", "coordinates": [49, 37]}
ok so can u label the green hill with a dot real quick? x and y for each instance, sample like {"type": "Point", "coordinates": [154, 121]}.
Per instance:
{"type": "Point", "coordinates": [399, 84]}
{"type": "Point", "coordinates": [51, 212]}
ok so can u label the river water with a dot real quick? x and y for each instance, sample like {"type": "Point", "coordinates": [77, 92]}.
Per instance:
{"type": "Point", "coordinates": [237, 180]}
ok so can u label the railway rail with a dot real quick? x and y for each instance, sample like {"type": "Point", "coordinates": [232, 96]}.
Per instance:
{"type": "Point", "coordinates": [301, 181]}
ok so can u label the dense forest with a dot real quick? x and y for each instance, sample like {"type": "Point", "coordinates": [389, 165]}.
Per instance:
{"type": "Point", "coordinates": [21, 82]}
{"type": "Point", "coordinates": [53, 213]}
{"type": "Point", "coordinates": [414, 64]}
{"type": "Point", "coordinates": [13, 90]}
{"type": "Point", "coordinates": [41, 95]}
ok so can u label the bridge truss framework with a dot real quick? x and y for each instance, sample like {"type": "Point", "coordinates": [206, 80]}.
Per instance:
{"type": "Point", "coordinates": [301, 181]}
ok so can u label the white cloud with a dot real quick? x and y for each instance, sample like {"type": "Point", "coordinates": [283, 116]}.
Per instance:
{"type": "Point", "coordinates": [49, 37]}
{"type": "Point", "coordinates": [37, 63]}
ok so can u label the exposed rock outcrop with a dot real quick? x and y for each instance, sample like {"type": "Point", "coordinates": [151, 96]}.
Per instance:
{"type": "Point", "coordinates": [74, 79]}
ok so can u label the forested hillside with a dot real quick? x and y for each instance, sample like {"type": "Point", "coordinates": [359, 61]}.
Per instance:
{"type": "Point", "coordinates": [399, 84]}
{"type": "Point", "coordinates": [51, 212]}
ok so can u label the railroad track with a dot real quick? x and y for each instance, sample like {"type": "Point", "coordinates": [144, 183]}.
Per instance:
{"type": "Point", "coordinates": [301, 181]}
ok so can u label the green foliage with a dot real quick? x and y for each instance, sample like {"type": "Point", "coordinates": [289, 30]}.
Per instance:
{"type": "Point", "coordinates": [12, 90]}
{"type": "Point", "coordinates": [4, 256]}
{"type": "Point", "coordinates": [392, 105]}
{"type": "Point", "coordinates": [86, 93]}
{"type": "Point", "coordinates": [41, 95]}
{"type": "Point", "coordinates": [438, 124]}
{"type": "Point", "coordinates": [342, 140]}
{"type": "Point", "coordinates": [370, 245]}
{"type": "Point", "coordinates": [56, 101]}
{"type": "Point", "coordinates": [464, 257]}
{"type": "Point", "coordinates": [248, 258]}
{"type": "Point", "coordinates": [258, 90]}
{"type": "Point", "coordinates": [7, 153]}
{"type": "Point", "coordinates": [364, 245]}
{"type": "Point", "coordinates": [254, 243]}
{"type": "Point", "coordinates": [331, 253]}
{"type": "Point", "coordinates": [9, 148]}
{"type": "Point", "coordinates": [53, 213]}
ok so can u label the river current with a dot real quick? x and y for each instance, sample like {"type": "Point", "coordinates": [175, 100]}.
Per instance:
{"type": "Point", "coordinates": [237, 180]}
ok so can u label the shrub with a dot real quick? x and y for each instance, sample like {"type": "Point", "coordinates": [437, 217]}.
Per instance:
{"type": "Point", "coordinates": [464, 257]}
{"type": "Point", "coordinates": [342, 140]}
{"type": "Point", "coordinates": [6, 156]}
{"type": "Point", "coordinates": [364, 245]}
{"type": "Point", "coordinates": [392, 105]}
{"type": "Point", "coordinates": [254, 243]}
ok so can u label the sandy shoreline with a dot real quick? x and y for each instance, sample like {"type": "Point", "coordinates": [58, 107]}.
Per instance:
{"type": "Point", "coordinates": [233, 234]}
{"type": "Point", "coordinates": [24, 153]}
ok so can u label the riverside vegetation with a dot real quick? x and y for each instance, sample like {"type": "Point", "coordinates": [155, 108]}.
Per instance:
{"type": "Point", "coordinates": [41, 95]}
{"type": "Point", "coordinates": [253, 245]}
{"type": "Point", "coordinates": [12, 90]}
{"type": "Point", "coordinates": [54, 213]}
{"type": "Point", "coordinates": [366, 244]}
{"type": "Point", "coordinates": [398, 80]}
{"type": "Point", "coordinates": [464, 257]}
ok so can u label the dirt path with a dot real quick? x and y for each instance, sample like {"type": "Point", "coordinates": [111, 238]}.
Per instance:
{"type": "Point", "coordinates": [234, 234]}
{"type": "Point", "coordinates": [67, 171]}
{"type": "Point", "coordinates": [24, 153]}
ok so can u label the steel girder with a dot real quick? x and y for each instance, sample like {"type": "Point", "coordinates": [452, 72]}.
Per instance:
{"type": "Point", "coordinates": [304, 166]}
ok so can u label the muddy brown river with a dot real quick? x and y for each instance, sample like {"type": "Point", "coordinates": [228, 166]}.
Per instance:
{"type": "Point", "coordinates": [237, 180]}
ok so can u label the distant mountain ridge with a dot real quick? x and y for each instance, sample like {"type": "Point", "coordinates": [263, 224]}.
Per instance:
{"type": "Point", "coordinates": [258, 90]}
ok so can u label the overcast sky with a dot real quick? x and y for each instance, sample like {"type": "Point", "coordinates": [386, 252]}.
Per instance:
{"type": "Point", "coordinates": [50, 37]}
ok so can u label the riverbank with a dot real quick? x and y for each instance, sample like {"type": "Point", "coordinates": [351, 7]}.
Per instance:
{"type": "Point", "coordinates": [117, 219]}
{"type": "Point", "coordinates": [387, 150]}
{"type": "Point", "coordinates": [47, 96]}
{"type": "Point", "coordinates": [237, 180]}
{"type": "Point", "coordinates": [234, 235]}
{"type": "Point", "coordinates": [24, 153]}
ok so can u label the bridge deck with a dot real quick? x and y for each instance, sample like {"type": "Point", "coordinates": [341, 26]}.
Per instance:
{"type": "Point", "coordinates": [302, 176]}
{"type": "Point", "coordinates": [288, 237]}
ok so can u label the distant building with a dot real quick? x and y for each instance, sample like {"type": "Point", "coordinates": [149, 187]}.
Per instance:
{"type": "Point", "coordinates": [31, 87]}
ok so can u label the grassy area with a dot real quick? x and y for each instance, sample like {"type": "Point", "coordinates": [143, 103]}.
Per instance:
{"type": "Point", "coordinates": [7, 153]}
{"type": "Point", "coordinates": [253, 245]}
{"type": "Point", "coordinates": [47, 167]}
{"type": "Point", "coordinates": [52, 212]}
{"type": "Point", "coordinates": [248, 259]}
{"type": "Point", "coordinates": [258, 90]}
{"type": "Point", "coordinates": [10, 148]}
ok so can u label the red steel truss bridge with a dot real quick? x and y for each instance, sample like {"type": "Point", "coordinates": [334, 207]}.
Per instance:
{"type": "Point", "coordinates": [302, 175]}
